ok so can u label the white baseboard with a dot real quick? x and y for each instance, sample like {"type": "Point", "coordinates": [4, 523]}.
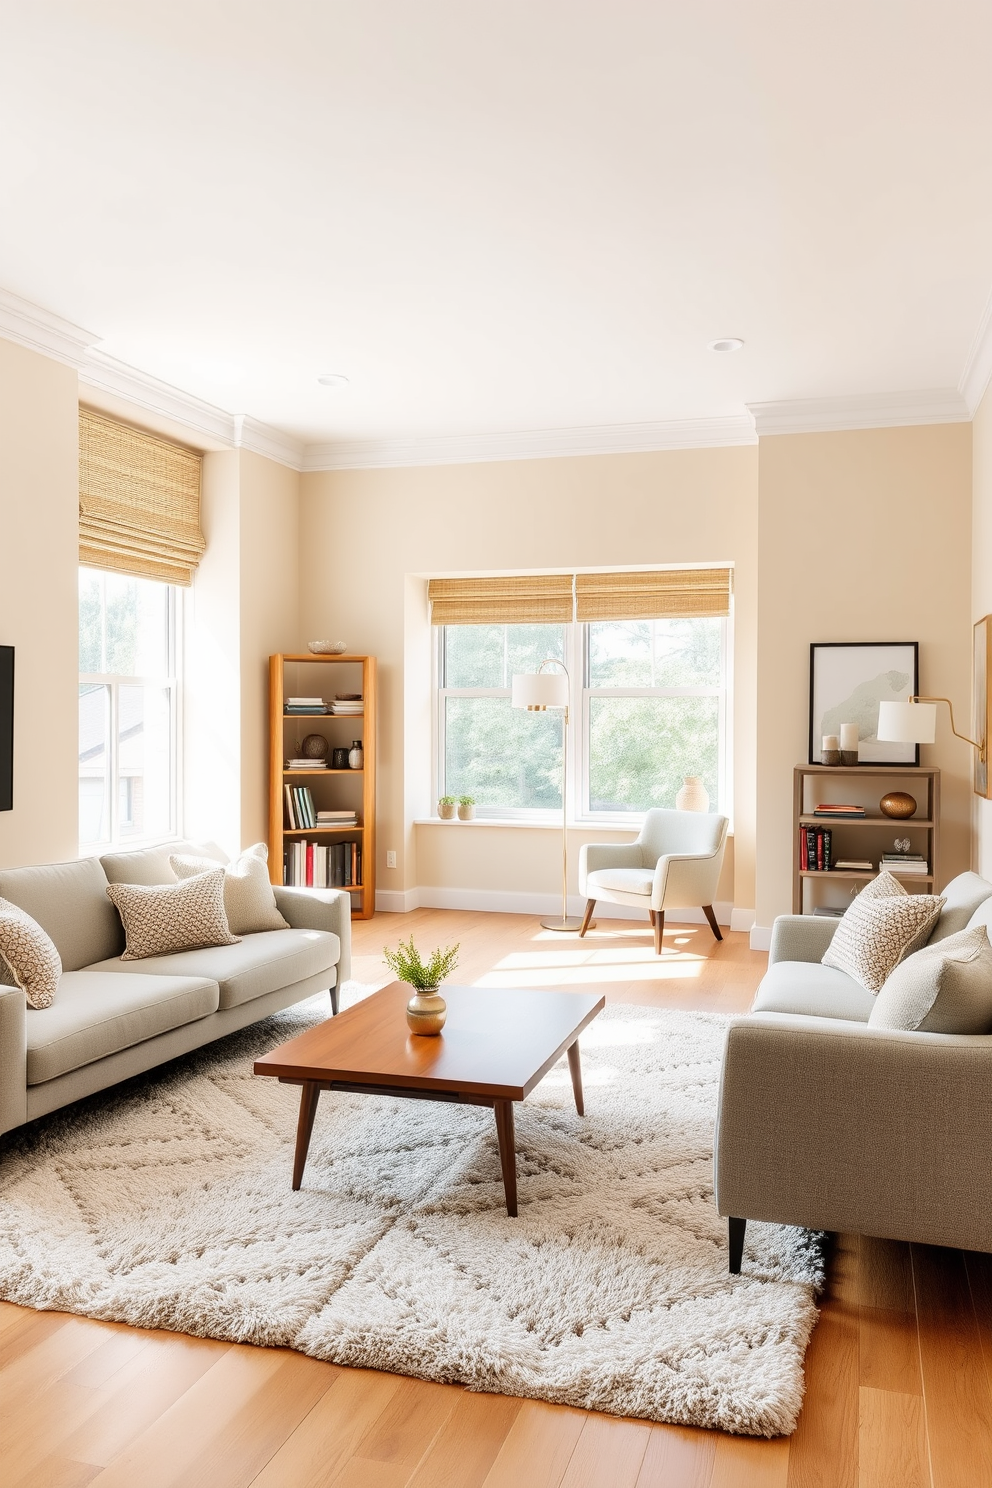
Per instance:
{"type": "Point", "coordinates": [511, 901]}
{"type": "Point", "coordinates": [741, 919]}
{"type": "Point", "coordinates": [761, 937]}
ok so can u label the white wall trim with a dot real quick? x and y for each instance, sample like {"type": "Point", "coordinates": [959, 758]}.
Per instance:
{"type": "Point", "coordinates": [41, 330]}
{"type": "Point", "coordinates": [741, 919]}
{"type": "Point", "coordinates": [397, 901]}
{"type": "Point", "coordinates": [263, 439]}
{"type": "Point", "coordinates": [529, 444]}
{"type": "Point", "coordinates": [510, 901]}
{"type": "Point", "coordinates": [761, 937]}
{"type": "Point", "coordinates": [109, 375]}
{"type": "Point", "coordinates": [978, 363]}
{"type": "Point", "coordinates": [861, 411]}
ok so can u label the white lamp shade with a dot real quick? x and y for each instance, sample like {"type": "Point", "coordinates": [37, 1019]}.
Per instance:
{"type": "Point", "coordinates": [907, 723]}
{"type": "Point", "coordinates": [540, 690]}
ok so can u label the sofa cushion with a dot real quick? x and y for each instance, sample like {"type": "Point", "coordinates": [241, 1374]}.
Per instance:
{"type": "Point", "coordinates": [962, 897]}
{"type": "Point", "coordinates": [945, 988]}
{"type": "Point", "coordinates": [28, 956]}
{"type": "Point", "coordinates": [96, 1015]}
{"type": "Point", "coordinates": [150, 865]}
{"type": "Point", "coordinates": [879, 929]}
{"type": "Point", "coordinates": [164, 918]}
{"type": "Point", "coordinates": [818, 991]}
{"type": "Point", "coordinates": [257, 965]}
{"type": "Point", "coordinates": [249, 901]}
{"type": "Point", "coordinates": [626, 880]}
{"type": "Point", "coordinates": [69, 901]}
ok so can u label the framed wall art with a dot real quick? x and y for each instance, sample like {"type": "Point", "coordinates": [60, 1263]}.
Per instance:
{"type": "Point", "coordinates": [848, 680]}
{"type": "Point", "coordinates": [980, 700]}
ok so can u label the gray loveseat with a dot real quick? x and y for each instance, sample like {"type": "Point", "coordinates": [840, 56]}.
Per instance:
{"type": "Point", "coordinates": [111, 1018]}
{"type": "Point", "coordinates": [831, 1124]}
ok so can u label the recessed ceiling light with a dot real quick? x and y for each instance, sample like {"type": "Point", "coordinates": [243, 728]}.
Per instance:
{"type": "Point", "coordinates": [728, 343]}
{"type": "Point", "coordinates": [333, 379]}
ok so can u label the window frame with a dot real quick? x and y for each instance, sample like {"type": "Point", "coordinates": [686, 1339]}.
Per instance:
{"type": "Point", "coordinates": [170, 682]}
{"type": "Point", "coordinates": [577, 659]}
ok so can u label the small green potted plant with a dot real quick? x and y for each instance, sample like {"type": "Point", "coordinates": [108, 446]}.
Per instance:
{"type": "Point", "coordinates": [466, 808]}
{"type": "Point", "coordinates": [427, 1009]}
{"type": "Point", "coordinates": [446, 808]}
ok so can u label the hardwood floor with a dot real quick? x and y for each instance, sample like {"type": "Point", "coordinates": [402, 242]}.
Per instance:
{"type": "Point", "coordinates": [898, 1373]}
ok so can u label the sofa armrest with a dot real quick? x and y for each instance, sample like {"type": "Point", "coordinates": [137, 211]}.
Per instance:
{"type": "Point", "coordinates": [838, 1126]}
{"type": "Point", "coordinates": [320, 909]}
{"type": "Point", "coordinates": [13, 1058]}
{"type": "Point", "coordinates": [800, 938]}
{"type": "Point", "coordinates": [596, 855]}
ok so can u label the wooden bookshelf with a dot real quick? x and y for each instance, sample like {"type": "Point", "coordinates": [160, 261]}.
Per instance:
{"type": "Point", "coordinates": [868, 836]}
{"type": "Point", "coordinates": [307, 675]}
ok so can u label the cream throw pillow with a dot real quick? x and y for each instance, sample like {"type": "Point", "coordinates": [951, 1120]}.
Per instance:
{"type": "Point", "coordinates": [248, 898]}
{"type": "Point", "coordinates": [884, 924]}
{"type": "Point", "coordinates": [172, 917]}
{"type": "Point", "coordinates": [945, 988]}
{"type": "Point", "coordinates": [28, 955]}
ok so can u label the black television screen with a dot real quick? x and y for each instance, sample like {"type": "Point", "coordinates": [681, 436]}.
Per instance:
{"type": "Point", "coordinates": [6, 728]}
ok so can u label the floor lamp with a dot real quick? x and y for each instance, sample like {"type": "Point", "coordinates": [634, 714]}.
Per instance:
{"type": "Point", "coordinates": [538, 691]}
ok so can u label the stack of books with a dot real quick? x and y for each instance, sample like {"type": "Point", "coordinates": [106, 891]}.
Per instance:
{"type": "Point", "coordinates": [839, 812]}
{"type": "Point", "coordinates": [304, 705]}
{"type": "Point", "coordinates": [907, 865]}
{"type": "Point", "coordinates": [306, 764]}
{"type": "Point", "coordinates": [337, 819]}
{"type": "Point", "coordinates": [347, 705]}
{"type": "Point", "coordinates": [855, 865]}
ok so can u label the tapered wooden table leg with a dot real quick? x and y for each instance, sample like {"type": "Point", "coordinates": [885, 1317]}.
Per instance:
{"type": "Point", "coordinates": [575, 1068]}
{"type": "Point", "coordinates": [507, 1153]}
{"type": "Point", "coordinates": [309, 1096]}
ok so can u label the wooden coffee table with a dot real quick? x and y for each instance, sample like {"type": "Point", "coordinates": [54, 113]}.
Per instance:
{"type": "Point", "coordinates": [496, 1045]}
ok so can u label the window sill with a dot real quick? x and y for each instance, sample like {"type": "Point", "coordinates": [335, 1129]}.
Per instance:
{"type": "Point", "coordinates": [532, 826]}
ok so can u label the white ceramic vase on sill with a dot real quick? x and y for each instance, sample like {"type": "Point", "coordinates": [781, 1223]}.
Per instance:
{"type": "Point", "coordinates": [693, 796]}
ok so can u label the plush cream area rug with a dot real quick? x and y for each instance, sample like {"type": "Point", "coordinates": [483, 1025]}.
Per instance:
{"type": "Point", "coordinates": [167, 1204]}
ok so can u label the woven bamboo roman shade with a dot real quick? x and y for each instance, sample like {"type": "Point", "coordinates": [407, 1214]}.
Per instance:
{"type": "Point", "coordinates": [532, 599]}
{"type": "Point", "coordinates": [139, 501]}
{"type": "Point", "coordinates": [654, 595]}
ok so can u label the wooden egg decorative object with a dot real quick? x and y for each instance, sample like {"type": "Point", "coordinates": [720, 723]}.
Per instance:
{"type": "Point", "coordinates": [897, 804]}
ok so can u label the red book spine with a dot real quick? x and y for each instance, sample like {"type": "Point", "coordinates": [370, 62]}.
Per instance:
{"type": "Point", "coordinates": [309, 865]}
{"type": "Point", "coordinates": [803, 850]}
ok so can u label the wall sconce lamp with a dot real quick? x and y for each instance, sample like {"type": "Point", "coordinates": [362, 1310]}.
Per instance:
{"type": "Point", "coordinates": [915, 722]}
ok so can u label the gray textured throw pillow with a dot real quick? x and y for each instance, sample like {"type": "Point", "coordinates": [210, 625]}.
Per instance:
{"type": "Point", "coordinates": [29, 955]}
{"type": "Point", "coordinates": [172, 917]}
{"type": "Point", "coordinates": [945, 988]}
{"type": "Point", "coordinates": [248, 898]}
{"type": "Point", "coordinates": [884, 924]}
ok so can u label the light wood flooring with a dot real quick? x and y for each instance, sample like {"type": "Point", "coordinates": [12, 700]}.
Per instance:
{"type": "Point", "coordinates": [899, 1371]}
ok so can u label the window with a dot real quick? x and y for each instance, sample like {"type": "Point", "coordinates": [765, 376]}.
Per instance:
{"type": "Point", "coordinates": [649, 706]}
{"type": "Point", "coordinates": [128, 709]}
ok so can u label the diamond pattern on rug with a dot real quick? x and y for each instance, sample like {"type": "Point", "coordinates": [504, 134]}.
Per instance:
{"type": "Point", "coordinates": [167, 1203]}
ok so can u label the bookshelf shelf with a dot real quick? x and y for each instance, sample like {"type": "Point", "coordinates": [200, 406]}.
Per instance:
{"type": "Point", "coordinates": [307, 675]}
{"type": "Point", "coordinates": [864, 837]}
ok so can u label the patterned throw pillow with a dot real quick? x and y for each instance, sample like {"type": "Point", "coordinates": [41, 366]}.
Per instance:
{"type": "Point", "coordinates": [945, 988]}
{"type": "Point", "coordinates": [248, 898]}
{"type": "Point", "coordinates": [172, 917]}
{"type": "Point", "coordinates": [884, 924]}
{"type": "Point", "coordinates": [28, 955]}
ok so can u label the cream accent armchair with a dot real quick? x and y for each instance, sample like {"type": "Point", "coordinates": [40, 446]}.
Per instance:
{"type": "Point", "coordinates": [675, 862]}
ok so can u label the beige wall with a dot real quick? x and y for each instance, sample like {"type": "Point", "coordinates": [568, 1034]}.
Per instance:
{"type": "Point", "coordinates": [981, 593]}
{"type": "Point", "coordinates": [39, 607]}
{"type": "Point", "coordinates": [862, 536]}
{"type": "Point", "coordinates": [368, 538]}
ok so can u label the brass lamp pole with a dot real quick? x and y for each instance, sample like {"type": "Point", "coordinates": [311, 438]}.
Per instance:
{"type": "Point", "coordinates": [537, 692]}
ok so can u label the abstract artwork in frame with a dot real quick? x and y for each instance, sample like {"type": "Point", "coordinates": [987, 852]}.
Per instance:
{"type": "Point", "coordinates": [848, 680]}
{"type": "Point", "coordinates": [6, 728]}
{"type": "Point", "coordinates": [980, 704]}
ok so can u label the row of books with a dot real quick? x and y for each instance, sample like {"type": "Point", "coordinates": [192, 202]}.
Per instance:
{"type": "Point", "coordinates": [816, 856]}
{"type": "Point", "coordinates": [319, 865]}
{"type": "Point", "coordinates": [815, 849]}
{"type": "Point", "coordinates": [304, 816]}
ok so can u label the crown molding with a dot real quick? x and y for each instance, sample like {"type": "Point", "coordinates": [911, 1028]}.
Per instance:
{"type": "Point", "coordinates": [109, 375]}
{"type": "Point", "coordinates": [41, 330]}
{"type": "Point", "coordinates": [863, 411]}
{"type": "Point", "coordinates": [529, 444]}
{"type": "Point", "coordinates": [978, 364]}
{"type": "Point", "coordinates": [263, 439]}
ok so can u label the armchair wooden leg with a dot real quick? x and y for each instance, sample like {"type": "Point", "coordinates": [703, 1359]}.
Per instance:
{"type": "Point", "coordinates": [736, 1228]}
{"type": "Point", "coordinates": [708, 912]}
{"type": "Point", "coordinates": [658, 918]}
{"type": "Point", "coordinates": [590, 906]}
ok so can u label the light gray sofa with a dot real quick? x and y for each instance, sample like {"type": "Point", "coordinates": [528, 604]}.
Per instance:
{"type": "Point", "coordinates": [831, 1124]}
{"type": "Point", "coordinates": [111, 1018]}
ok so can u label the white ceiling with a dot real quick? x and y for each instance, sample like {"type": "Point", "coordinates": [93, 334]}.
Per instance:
{"type": "Point", "coordinates": [520, 216]}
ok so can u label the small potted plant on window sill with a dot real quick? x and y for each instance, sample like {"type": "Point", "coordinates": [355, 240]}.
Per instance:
{"type": "Point", "coordinates": [466, 808]}
{"type": "Point", "coordinates": [446, 808]}
{"type": "Point", "coordinates": [427, 1009]}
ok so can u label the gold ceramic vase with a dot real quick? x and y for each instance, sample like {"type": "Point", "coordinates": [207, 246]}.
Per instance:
{"type": "Point", "coordinates": [426, 1012]}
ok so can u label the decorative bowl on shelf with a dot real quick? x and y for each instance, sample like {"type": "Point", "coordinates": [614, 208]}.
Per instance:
{"type": "Point", "coordinates": [327, 648]}
{"type": "Point", "coordinates": [897, 804]}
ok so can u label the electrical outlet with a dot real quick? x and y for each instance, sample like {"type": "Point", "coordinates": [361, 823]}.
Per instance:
{"type": "Point", "coordinates": [390, 860]}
